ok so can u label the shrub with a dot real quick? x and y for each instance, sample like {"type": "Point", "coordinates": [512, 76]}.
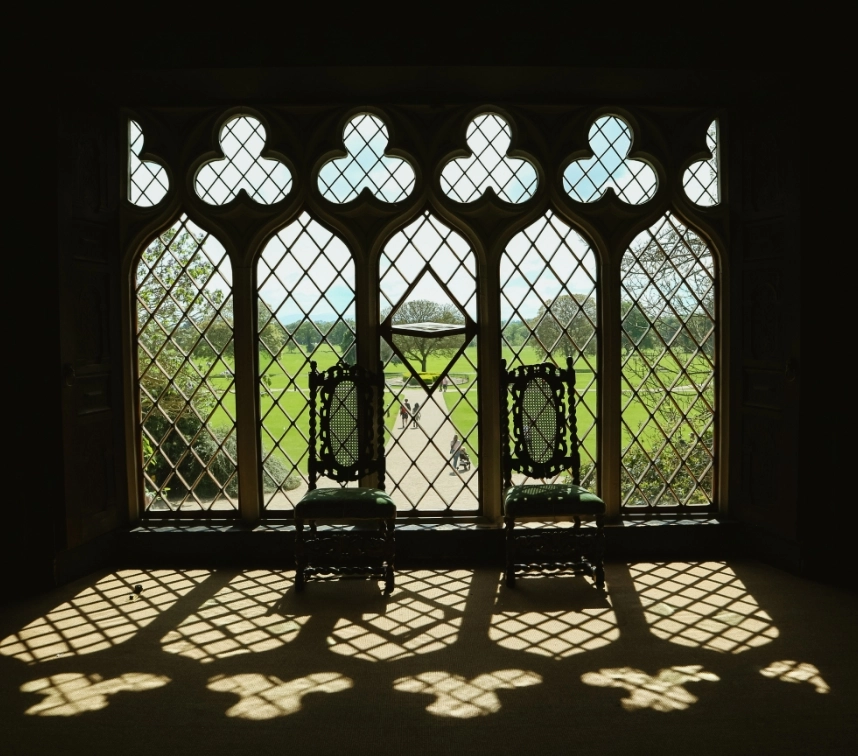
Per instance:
{"type": "Point", "coordinates": [688, 468]}
{"type": "Point", "coordinates": [428, 378]}
{"type": "Point", "coordinates": [211, 450]}
{"type": "Point", "coordinates": [275, 474]}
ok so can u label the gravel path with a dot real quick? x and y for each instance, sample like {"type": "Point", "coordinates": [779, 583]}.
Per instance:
{"type": "Point", "coordinates": [418, 460]}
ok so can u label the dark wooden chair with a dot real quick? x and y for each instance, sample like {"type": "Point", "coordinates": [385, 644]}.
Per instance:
{"type": "Point", "coordinates": [543, 443]}
{"type": "Point", "coordinates": [346, 444]}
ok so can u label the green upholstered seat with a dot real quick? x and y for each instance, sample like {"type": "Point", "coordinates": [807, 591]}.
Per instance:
{"type": "Point", "coordinates": [345, 503]}
{"type": "Point", "coordinates": [551, 500]}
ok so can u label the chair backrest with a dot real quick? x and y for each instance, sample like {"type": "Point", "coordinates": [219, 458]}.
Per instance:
{"type": "Point", "coordinates": [346, 424]}
{"type": "Point", "coordinates": [543, 439]}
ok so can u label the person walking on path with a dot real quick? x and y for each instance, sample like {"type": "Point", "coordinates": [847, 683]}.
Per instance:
{"type": "Point", "coordinates": [455, 452]}
{"type": "Point", "coordinates": [415, 414]}
{"type": "Point", "coordinates": [404, 412]}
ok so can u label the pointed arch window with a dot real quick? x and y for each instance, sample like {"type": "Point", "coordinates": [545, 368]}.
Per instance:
{"type": "Point", "coordinates": [428, 300]}
{"type": "Point", "coordinates": [668, 369]}
{"type": "Point", "coordinates": [305, 311]}
{"type": "Point", "coordinates": [550, 311]}
{"type": "Point", "coordinates": [185, 377]}
{"type": "Point", "coordinates": [389, 249]}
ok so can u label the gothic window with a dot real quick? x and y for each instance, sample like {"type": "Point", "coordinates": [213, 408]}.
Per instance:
{"type": "Point", "coordinates": [185, 357]}
{"type": "Point", "coordinates": [701, 178]}
{"type": "Point", "coordinates": [433, 241]}
{"type": "Point", "coordinates": [305, 311]}
{"type": "Point", "coordinates": [489, 166]}
{"type": "Point", "coordinates": [365, 166]}
{"type": "Point", "coordinates": [427, 282]}
{"type": "Point", "coordinates": [668, 367]}
{"type": "Point", "coordinates": [242, 167]}
{"type": "Point", "coordinates": [609, 166]}
{"type": "Point", "coordinates": [550, 311]}
{"type": "Point", "coordinates": [147, 181]}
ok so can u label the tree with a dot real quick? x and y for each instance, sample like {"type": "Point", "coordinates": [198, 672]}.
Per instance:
{"type": "Point", "coordinates": [186, 326]}
{"type": "Point", "coordinates": [670, 273]}
{"type": "Point", "coordinates": [272, 334]}
{"type": "Point", "coordinates": [184, 323]}
{"type": "Point", "coordinates": [420, 348]}
{"type": "Point", "coordinates": [342, 336]}
{"type": "Point", "coordinates": [516, 333]}
{"type": "Point", "coordinates": [304, 332]}
{"type": "Point", "coordinates": [667, 281]}
{"type": "Point", "coordinates": [565, 326]}
{"type": "Point", "coordinates": [636, 328]}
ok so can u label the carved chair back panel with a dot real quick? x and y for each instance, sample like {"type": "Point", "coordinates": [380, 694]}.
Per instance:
{"type": "Point", "coordinates": [541, 438]}
{"type": "Point", "coordinates": [346, 446]}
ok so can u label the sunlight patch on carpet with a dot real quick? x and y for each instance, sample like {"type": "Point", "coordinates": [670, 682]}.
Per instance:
{"type": "Point", "coordinates": [555, 634]}
{"type": "Point", "coordinates": [664, 692]}
{"type": "Point", "coordinates": [102, 615]}
{"type": "Point", "coordinates": [460, 698]}
{"type": "Point", "coordinates": [267, 697]}
{"type": "Point", "coordinates": [423, 614]}
{"type": "Point", "coordinates": [73, 693]}
{"type": "Point", "coordinates": [552, 617]}
{"type": "Point", "coordinates": [238, 619]}
{"type": "Point", "coordinates": [702, 605]}
{"type": "Point", "coordinates": [796, 672]}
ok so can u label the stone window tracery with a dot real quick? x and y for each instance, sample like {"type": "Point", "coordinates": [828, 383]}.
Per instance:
{"type": "Point", "coordinates": [332, 254]}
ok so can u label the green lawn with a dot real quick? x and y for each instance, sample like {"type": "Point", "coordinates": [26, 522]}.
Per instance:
{"type": "Point", "coordinates": [284, 380]}
{"type": "Point", "coordinates": [288, 422]}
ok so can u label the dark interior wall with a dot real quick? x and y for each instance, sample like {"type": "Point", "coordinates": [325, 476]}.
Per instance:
{"type": "Point", "coordinates": [766, 310]}
{"type": "Point", "coordinates": [755, 84]}
{"type": "Point", "coordinates": [33, 498]}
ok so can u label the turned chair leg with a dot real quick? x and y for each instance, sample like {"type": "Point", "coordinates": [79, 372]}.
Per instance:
{"type": "Point", "coordinates": [390, 549]}
{"type": "Point", "coordinates": [600, 552]}
{"type": "Point", "coordinates": [300, 557]}
{"type": "Point", "coordinates": [510, 552]}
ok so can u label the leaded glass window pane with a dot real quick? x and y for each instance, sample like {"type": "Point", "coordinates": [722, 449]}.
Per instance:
{"type": "Point", "coordinates": [668, 369]}
{"type": "Point", "coordinates": [427, 275]}
{"type": "Point", "coordinates": [185, 362]}
{"type": "Point", "coordinates": [550, 311]}
{"type": "Point", "coordinates": [306, 312]}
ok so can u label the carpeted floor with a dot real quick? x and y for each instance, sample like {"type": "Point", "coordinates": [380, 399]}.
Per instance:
{"type": "Point", "coordinates": [686, 658]}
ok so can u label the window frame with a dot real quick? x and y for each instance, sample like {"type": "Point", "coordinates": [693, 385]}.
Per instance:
{"type": "Point", "coordinates": [365, 224]}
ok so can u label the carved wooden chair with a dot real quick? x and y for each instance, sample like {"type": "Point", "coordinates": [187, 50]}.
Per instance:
{"type": "Point", "coordinates": [543, 444]}
{"type": "Point", "coordinates": [346, 444]}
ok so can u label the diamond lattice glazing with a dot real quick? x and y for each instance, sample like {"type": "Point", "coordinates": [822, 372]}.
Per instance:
{"type": "Point", "coordinates": [242, 141]}
{"type": "Point", "coordinates": [610, 167]}
{"type": "Point", "coordinates": [185, 372]}
{"type": "Point", "coordinates": [390, 179]}
{"type": "Point", "coordinates": [668, 379]}
{"type": "Point", "coordinates": [147, 181]}
{"type": "Point", "coordinates": [428, 274]}
{"type": "Point", "coordinates": [701, 178]}
{"type": "Point", "coordinates": [466, 179]}
{"type": "Point", "coordinates": [306, 311]}
{"type": "Point", "coordinates": [549, 310]}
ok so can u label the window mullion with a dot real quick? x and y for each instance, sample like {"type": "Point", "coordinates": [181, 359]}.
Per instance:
{"type": "Point", "coordinates": [490, 413]}
{"type": "Point", "coordinates": [610, 385]}
{"type": "Point", "coordinates": [366, 324]}
{"type": "Point", "coordinates": [246, 406]}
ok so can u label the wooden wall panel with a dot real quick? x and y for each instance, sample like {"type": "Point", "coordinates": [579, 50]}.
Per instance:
{"type": "Point", "coordinates": [769, 336]}
{"type": "Point", "coordinates": [88, 263]}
